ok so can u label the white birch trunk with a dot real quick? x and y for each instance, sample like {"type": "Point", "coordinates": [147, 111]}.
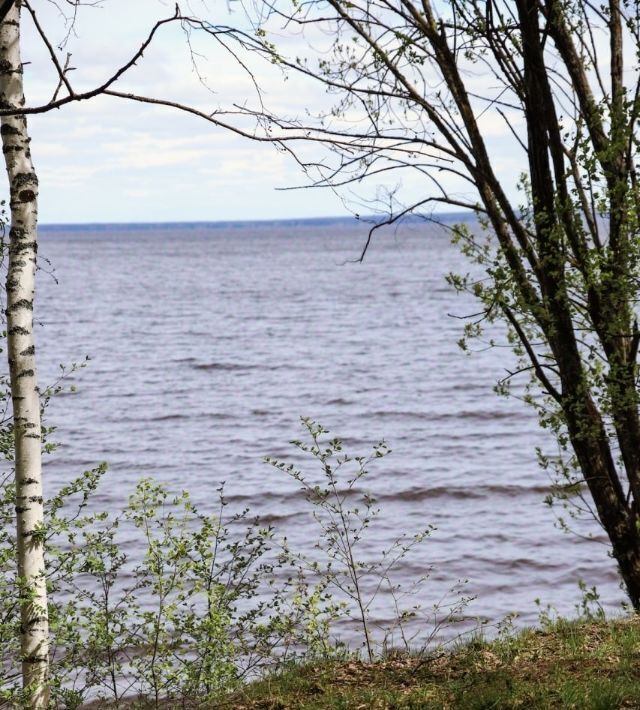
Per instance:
{"type": "Point", "coordinates": [23, 191]}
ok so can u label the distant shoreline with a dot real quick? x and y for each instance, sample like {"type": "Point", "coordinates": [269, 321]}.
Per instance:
{"type": "Point", "coordinates": [348, 221]}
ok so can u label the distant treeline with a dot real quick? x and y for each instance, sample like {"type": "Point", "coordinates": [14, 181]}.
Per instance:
{"type": "Point", "coordinates": [243, 224]}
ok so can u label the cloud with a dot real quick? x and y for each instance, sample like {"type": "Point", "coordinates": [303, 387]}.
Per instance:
{"type": "Point", "coordinates": [113, 160]}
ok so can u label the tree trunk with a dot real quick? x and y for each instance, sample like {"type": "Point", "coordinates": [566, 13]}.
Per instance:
{"type": "Point", "coordinates": [23, 191]}
{"type": "Point", "coordinates": [592, 448]}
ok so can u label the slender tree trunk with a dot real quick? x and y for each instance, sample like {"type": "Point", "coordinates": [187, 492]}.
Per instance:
{"type": "Point", "coordinates": [23, 191]}
{"type": "Point", "coordinates": [593, 450]}
{"type": "Point", "coordinates": [609, 307]}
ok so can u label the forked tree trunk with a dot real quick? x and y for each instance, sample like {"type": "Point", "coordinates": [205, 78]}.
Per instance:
{"type": "Point", "coordinates": [23, 191]}
{"type": "Point", "coordinates": [609, 303]}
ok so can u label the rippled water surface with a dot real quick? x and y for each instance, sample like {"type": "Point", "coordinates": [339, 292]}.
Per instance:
{"type": "Point", "coordinates": [208, 344]}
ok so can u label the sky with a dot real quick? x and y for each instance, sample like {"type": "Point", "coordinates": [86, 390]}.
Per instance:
{"type": "Point", "coordinates": [109, 160]}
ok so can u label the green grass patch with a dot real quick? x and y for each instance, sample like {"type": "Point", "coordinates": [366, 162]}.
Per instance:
{"type": "Point", "coordinates": [582, 665]}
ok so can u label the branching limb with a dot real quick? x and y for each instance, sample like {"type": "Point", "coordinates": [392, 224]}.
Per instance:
{"type": "Point", "coordinates": [526, 344]}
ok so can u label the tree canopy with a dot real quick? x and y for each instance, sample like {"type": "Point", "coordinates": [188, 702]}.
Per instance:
{"type": "Point", "coordinates": [425, 89]}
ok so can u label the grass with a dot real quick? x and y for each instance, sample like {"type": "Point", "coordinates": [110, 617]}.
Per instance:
{"type": "Point", "coordinates": [583, 665]}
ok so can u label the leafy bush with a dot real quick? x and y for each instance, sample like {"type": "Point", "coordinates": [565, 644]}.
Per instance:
{"type": "Point", "coordinates": [215, 598]}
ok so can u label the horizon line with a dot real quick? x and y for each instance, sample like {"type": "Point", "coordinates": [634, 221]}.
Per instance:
{"type": "Point", "coordinates": [292, 221]}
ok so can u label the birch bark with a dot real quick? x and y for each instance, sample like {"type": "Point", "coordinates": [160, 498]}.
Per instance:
{"type": "Point", "coordinates": [20, 286]}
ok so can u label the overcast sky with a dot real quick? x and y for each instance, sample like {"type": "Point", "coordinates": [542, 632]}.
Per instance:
{"type": "Point", "coordinates": [107, 160]}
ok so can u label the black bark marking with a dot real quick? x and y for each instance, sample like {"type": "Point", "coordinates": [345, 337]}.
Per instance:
{"type": "Point", "coordinates": [4, 10]}
{"type": "Point", "coordinates": [19, 247]}
{"type": "Point", "coordinates": [22, 179]}
{"type": "Point", "coordinates": [35, 620]}
{"type": "Point", "coordinates": [18, 305]}
{"type": "Point", "coordinates": [27, 195]}
{"type": "Point", "coordinates": [18, 330]}
{"type": "Point", "coordinates": [29, 351]}
{"type": "Point", "coordinates": [30, 533]}
{"type": "Point", "coordinates": [7, 129]}
{"type": "Point", "coordinates": [26, 373]}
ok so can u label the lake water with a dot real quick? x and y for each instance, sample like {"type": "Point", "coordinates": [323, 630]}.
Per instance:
{"type": "Point", "coordinates": [208, 344]}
